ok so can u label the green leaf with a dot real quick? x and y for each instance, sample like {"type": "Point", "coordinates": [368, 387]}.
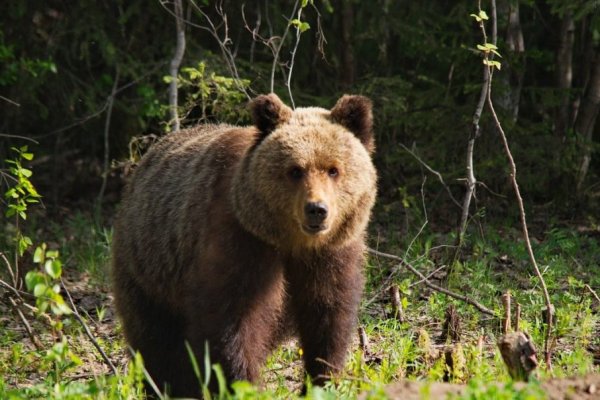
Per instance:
{"type": "Point", "coordinates": [32, 278]}
{"type": "Point", "coordinates": [60, 308]}
{"type": "Point", "coordinates": [39, 289]}
{"type": "Point", "coordinates": [304, 26]}
{"type": "Point", "coordinates": [52, 254]}
{"type": "Point", "coordinates": [53, 268]}
{"type": "Point", "coordinates": [38, 255]}
{"type": "Point", "coordinates": [477, 18]}
{"type": "Point", "coordinates": [483, 15]}
{"type": "Point", "coordinates": [26, 172]}
{"type": "Point", "coordinates": [491, 63]}
{"type": "Point", "coordinates": [27, 156]}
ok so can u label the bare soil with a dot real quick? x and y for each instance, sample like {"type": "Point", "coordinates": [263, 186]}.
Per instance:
{"type": "Point", "coordinates": [576, 388]}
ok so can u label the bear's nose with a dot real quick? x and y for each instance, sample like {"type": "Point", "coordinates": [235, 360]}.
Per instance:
{"type": "Point", "coordinates": [315, 212]}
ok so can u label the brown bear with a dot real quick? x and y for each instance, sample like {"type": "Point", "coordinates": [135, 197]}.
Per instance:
{"type": "Point", "coordinates": [238, 236]}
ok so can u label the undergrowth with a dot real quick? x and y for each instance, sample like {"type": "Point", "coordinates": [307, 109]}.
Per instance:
{"type": "Point", "coordinates": [69, 368]}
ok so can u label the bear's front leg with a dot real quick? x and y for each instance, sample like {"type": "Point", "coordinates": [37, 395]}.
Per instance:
{"type": "Point", "coordinates": [325, 294]}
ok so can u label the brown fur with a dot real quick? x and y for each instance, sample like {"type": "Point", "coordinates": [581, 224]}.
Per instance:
{"type": "Point", "coordinates": [210, 242]}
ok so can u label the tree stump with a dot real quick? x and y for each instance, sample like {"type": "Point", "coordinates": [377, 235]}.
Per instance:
{"type": "Point", "coordinates": [519, 355]}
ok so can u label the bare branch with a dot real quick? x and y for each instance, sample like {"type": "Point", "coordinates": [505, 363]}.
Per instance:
{"type": "Point", "coordinates": [87, 329]}
{"type": "Point", "coordinates": [278, 49]}
{"type": "Point", "coordinates": [103, 108]}
{"type": "Point", "coordinates": [475, 133]}
{"type": "Point", "coordinates": [292, 59]}
{"type": "Point", "coordinates": [14, 103]}
{"type": "Point", "coordinates": [105, 168]}
{"type": "Point", "coordinates": [588, 287]}
{"type": "Point", "coordinates": [224, 43]}
{"type": "Point", "coordinates": [436, 173]}
{"type": "Point", "coordinates": [18, 137]}
{"type": "Point", "coordinates": [38, 345]}
{"type": "Point", "coordinates": [437, 288]}
{"type": "Point", "coordinates": [175, 64]}
{"type": "Point", "coordinates": [513, 178]}
{"type": "Point", "coordinates": [414, 239]}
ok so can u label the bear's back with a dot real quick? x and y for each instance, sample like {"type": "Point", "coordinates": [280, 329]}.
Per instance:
{"type": "Point", "coordinates": [163, 217]}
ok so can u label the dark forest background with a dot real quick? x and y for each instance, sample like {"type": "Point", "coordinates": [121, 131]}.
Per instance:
{"type": "Point", "coordinates": [60, 61]}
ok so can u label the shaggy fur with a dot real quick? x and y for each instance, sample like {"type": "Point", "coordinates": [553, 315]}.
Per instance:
{"type": "Point", "coordinates": [211, 241]}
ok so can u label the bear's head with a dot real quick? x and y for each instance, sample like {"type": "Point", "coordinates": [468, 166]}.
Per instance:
{"type": "Point", "coordinates": [309, 180]}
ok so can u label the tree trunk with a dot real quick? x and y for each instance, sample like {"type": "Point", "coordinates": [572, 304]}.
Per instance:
{"type": "Point", "coordinates": [348, 70]}
{"type": "Point", "coordinates": [586, 120]}
{"type": "Point", "coordinates": [513, 68]}
{"type": "Point", "coordinates": [585, 56]}
{"type": "Point", "coordinates": [174, 66]}
{"type": "Point", "coordinates": [564, 73]}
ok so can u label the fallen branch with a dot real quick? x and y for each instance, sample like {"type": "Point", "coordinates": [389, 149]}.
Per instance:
{"type": "Point", "coordinates": [36, 342]}
{"type": "Point", "coordinates": [435, 287]}
{"type": "Point", "coordinates": [15, 305]}
{"type": "Point", "coordinates": [87, 330]}
{"type": "Point", "coordinates": [589, 288]}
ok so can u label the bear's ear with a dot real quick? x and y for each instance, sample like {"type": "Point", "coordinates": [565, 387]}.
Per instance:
{"type": "Point", "coordinates": [269, 112]}
{"type": "Point", "coordinates": [356, 114]}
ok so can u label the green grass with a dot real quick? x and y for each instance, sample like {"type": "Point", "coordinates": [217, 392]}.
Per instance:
{"type": "Point", "coordinates": [412, 350]}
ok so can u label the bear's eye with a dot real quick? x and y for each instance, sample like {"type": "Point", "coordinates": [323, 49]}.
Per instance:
{"type": "Point", "coordinates": [333, 172]}
{"type": "Point", "coordinates": [296, 173]}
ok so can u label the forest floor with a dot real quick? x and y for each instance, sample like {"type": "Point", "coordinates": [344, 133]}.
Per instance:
{"type": "Point", "coordinates": [405, 359]}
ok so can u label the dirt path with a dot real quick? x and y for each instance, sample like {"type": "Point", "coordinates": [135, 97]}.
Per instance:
{"type": "Point", "coordinates": [578, 388]}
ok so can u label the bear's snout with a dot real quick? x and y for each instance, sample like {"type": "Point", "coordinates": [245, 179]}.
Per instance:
{"type": "Point", "coordinates": [315, 213]}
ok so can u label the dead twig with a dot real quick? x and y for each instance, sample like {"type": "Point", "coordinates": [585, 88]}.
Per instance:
{"type": "Point", "coordinates": [397, 311]}
{"type": "Point", "coordinates": [437, 288]}
{"type": "Point", "coordinates": [519, 198]}
{"type": "Point", "coordinates": [6, 99]}
{"type": "Point", "coordinates": [103, 108]}
{"type": "Point", "coordinates": [435, 271]}
{"type": "Point", "coordinates": [105, 167]}
{"type": "Point", "coordinates": [87, 330]}
{"type": "Point", "coordinates": [280, 45]}
{"type": "Point", "coordinates": [224, 42]}
{"type": "Point", "coordinates": [513, 177]}
{"type": "Point", "coordinates": [414, 239]}
{"type": "Point", "coordinates": [588, 288]}
{"type": "Point", "coordinates": [38, 345]}
{"type": "Point", "coordinates": [363, 340]}
{"type": "Point", "coordinates": [7, 135]}
{"type": "Point", "coordinates": [292, 59]}
{"type": "Point", "coordinates": [14, 294]}
{"type": "Point", "coordinates": [507, 311]}
{"type": "Point", "coordinates": [433, 171]}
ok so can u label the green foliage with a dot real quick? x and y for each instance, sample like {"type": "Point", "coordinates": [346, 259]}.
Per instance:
{"type": "Point", "coordinates": [20, 195]}
{"type": "Point", "coordinates": [214, 97]}
{"type": "Point", "coordinates": [45, 284]}
{"type": "Point", "coordinates": [11, 64]}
